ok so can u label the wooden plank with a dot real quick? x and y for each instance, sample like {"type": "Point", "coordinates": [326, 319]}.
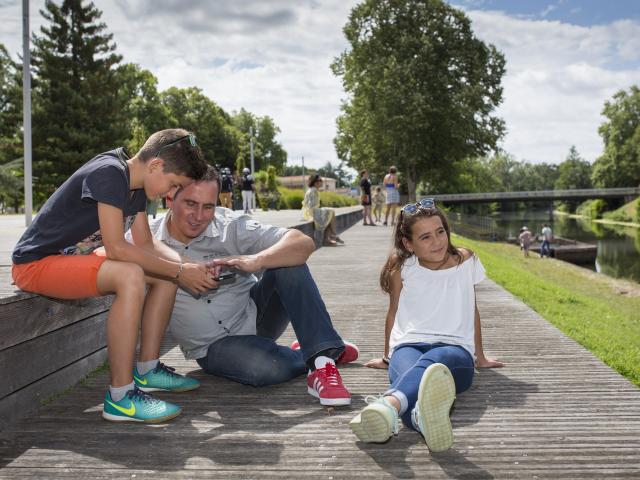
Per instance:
{"type": "Point", "coordinates": [555, 411]}
{"type": "Point", "coordinates": [33, 316]}
{"type": "Point", "coordinates": [28, 400]}
{"type": "Point", "coordinates": [30, 361]}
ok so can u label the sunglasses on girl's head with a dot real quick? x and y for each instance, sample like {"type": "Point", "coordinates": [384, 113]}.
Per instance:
{"type": "Point", "coordinates": [412, 208]}
{"type": "Point", "coordinates": [192, 141]}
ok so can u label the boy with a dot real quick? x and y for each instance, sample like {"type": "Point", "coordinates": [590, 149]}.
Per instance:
{"type": "Point", "coordinates": [60, 256]}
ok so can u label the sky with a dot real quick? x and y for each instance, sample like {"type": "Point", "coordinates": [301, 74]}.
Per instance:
{"type": "Point", "coordinates": [565, 58]}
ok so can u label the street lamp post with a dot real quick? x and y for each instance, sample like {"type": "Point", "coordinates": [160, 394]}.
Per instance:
{"type": "Point", "coordinates": [26, 113]}
{"type": "Point", "coordinates": [251, 149]}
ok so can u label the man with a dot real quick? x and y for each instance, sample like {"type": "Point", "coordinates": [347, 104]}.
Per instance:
{"type": "Point", "coordinates": [247, 189]}
{"type": "Point", "coordinates": [547, 238]}
{"type": "Point", "coordinates": [231, 330]}
{"type": "Point", "coordinates": [226, 189]}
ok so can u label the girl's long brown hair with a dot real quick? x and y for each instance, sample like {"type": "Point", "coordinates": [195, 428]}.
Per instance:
{"type": "Point", "coordinates": [403, 230]}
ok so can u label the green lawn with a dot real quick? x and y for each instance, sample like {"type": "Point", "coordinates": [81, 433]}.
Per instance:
{"type": "Point", "coordinates": [601, 314]}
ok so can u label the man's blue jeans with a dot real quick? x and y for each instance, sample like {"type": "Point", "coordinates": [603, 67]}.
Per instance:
{"type": "Point", "coordinates": [282, 296]}
{"type": "Point", "coordinates": [409, 361]}
{"type": "Point", "coordinates": [545, 248]}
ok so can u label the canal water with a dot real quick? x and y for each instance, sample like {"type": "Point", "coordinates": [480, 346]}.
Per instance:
{"type": "Point", "coordinates": [618, 247]}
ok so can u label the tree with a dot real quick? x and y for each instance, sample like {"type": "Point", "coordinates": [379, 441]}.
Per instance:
{"type": "Point", "coordinates": [10, 108]}
{"type": "Point", "coordinates": [143, 110]}
{"type": "Point", "coordinates": [573, 173]}
{"type": "Point", "coordinates": [191, 109]}
{"type": "Point", "coordinates": [619, 164]}
{"type": "Point", "coordinates": [266, 150]}
{"type": "Point", "coordinates": [422, 89]}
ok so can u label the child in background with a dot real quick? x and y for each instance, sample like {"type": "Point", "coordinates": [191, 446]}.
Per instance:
{"type": "Point", "coordinates": [76, 248]}
{"type": "Point", "coordinates": [432, 330]}
{"type": "Point", "coordinates": [378, 202]}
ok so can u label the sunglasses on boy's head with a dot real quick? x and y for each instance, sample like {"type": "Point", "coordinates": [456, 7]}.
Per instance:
{"type": "Point", "coordinates": [192, 141]}
{"type": "Point", "coordinates": [412, 208]}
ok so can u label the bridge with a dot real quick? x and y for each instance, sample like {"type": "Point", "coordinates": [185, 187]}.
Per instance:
{"type": "Point", "coordinates": [540, 195]}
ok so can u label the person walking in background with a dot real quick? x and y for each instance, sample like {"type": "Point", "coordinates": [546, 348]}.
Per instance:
{"type": "Point", "coordinates": [378, 201]}
{"type": "Point", "coordinates": [433, 337]}
{"type": "Point", "coordinates": [525, 240]}
{"type": "Point", "coordinates": [547, 238]}
{"type": "Point", "coordinates": [391, 187]}
{"type": "Point", "coordinates": [324, 219]}
{"type": "Point", "coordinates": [365, 198]}
{"type": "Point", "coordinates": [226, 189]}
{"type": "Point", "coordinates": [247, 187]}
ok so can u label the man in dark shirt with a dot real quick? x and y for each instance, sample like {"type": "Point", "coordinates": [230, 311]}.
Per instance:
{"type": "Point", "coordinates": [365, 197]}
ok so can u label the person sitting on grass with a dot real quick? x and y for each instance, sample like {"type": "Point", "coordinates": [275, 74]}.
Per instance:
{"type": "Point", "coordinates": [232, 330]}
{"type": "Point", "coordinates": [75, 248]}
{"type": "Point", "coordinates": [432, 330]}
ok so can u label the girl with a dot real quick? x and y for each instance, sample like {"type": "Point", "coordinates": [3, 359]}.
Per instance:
{"type": "Point", "coordinates": [378, 201]}
{"type": "Point", "coordinates": [324, 218]}
{"type": "Point", "coordinates": [432, 330]}
{"type": "Point", "coordinates": [391, 186]}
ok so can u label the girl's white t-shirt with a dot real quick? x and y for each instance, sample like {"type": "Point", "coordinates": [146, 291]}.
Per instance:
{"type": "Point", "coordinates": [437, 305]}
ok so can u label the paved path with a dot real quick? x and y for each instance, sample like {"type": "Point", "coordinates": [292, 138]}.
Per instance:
{"type": "Point", "coordinates": [554, 412]}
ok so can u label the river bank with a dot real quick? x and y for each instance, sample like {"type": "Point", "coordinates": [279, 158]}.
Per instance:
{"type": "Point", "coordinates": [599, 312]}
{"type": "Point", "coordinates": [596, 220]}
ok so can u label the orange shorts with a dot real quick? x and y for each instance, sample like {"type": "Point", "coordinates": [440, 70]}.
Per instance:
{"type": "Point", "coordinates": [61, 276]}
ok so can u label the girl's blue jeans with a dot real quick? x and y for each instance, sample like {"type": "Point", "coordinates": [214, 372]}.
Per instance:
{"type": "Point", "coordinates": [409, 361]}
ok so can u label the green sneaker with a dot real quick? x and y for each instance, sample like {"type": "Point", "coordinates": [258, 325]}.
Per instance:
{"type": "Point", "coordinates": [163, 378]}
{"type": "Point", "coordinates": [137, 406]}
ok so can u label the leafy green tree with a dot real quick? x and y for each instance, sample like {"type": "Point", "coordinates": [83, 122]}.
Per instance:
{"type": "Point", "coordinates": [191, 109]}
{"type": "Point", "coordinates": [143, 110]}
{"type": "Point", "coordinates": [266, 149]}
{"type": "Point", "coordinates": [422, 89]}
{"type": "Point", "coordinates": [574, 172]}
{"type": "Point", "coordinates": [76, 113]}
{"type": "Point", "coordinates": [619, 164]}
{"type": "Point", "coordinates": [10, 108]}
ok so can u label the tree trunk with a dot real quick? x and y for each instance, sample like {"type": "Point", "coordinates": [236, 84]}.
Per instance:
{"type": "Point", "coordinates": [412, 177]}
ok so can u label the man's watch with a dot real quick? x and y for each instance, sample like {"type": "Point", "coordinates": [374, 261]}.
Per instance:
{"type": "Point", "coordinates": [385, 359]}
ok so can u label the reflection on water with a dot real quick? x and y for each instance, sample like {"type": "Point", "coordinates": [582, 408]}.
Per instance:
{"type": "Point", "coordinates": [618, 247]}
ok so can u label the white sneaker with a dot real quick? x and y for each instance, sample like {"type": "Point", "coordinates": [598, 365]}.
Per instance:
{"type": "Point", "coordinates": [377, 421]}
{"type": "Point", "coordinates": [431, 414]}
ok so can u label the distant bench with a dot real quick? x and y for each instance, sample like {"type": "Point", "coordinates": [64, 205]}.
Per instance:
{"type": "Point", "coordinates": [48, 345]}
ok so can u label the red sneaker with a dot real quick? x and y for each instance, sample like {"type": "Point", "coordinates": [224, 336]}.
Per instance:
{"type": "Point", "coordinates": [349, 355]}
{"type": "Point", "coordinates": [326, 385]}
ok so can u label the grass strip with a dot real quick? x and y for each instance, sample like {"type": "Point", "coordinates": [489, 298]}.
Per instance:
{"type": "Point", "coordinates": [600, 313]}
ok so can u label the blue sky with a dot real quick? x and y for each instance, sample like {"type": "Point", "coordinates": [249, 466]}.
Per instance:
{"type": "Point", "coordinates": [576, 12]}
{"type": "Point", "coordinates": [565, 58]}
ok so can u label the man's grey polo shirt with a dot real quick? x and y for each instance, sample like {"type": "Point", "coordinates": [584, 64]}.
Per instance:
{"type": "Point", "coordinates": [198, 322]}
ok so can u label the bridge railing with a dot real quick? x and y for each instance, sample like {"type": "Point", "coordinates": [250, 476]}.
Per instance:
{"type": "Point", "coordinates": [585, 193]}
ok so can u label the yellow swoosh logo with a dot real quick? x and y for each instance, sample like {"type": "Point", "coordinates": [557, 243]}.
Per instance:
{"type": "Point", "coordinates": [131, 411]}
{"type": "Point", "coordinates": [141, 382]}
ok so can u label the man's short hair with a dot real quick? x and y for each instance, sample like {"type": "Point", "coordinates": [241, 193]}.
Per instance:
{"type": "Point", "coordinates": [211, 174]}
{"type": "Point", "coordinates": [180, 157]}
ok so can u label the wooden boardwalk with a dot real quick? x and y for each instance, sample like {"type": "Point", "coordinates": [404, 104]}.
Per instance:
{"type": "Point", "coordinates": [555, 411]}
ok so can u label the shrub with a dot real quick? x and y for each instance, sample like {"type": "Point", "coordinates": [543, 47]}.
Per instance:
{"type": "Point", "coordinates": [291, 198]}
{"type": "Point", "coordinates": [332, 199]}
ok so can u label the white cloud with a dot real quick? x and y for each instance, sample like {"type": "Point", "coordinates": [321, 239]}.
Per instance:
{"type": "Point", "coordinates": [558, 78]}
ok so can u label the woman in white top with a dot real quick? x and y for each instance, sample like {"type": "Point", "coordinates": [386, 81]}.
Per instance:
{"type": "Point", "coordinates": [432, 331]}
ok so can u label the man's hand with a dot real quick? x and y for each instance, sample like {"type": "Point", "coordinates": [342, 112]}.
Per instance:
{"type": "Point", "coordinates": [244, 263]}
{"type": "Point", "coordinates": [484, 362]}
{"type": "Point", "coordinates": [196, 278]}
{"type": "Point", "coordinates": [376, 363]}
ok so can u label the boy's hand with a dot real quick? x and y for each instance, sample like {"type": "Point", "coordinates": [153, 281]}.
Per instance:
{"type": "Point", "coordinates": [376, 363]}
{"type": "Point", "coordinates": [196, 277]}
{"type": "Point", "coordinates": [484, 362]}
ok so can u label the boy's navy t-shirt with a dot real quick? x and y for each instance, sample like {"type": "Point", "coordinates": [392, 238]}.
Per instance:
{"type": "Point", "coordinates": [68, 222]}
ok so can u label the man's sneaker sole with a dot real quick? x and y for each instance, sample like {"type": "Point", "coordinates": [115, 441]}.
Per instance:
{"type": "Point", "coordinates": [436, 395]}
{"type": "Point", "coordinates": [372, 425]}
{"type": "Point", "coordinates": [332, 402]}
